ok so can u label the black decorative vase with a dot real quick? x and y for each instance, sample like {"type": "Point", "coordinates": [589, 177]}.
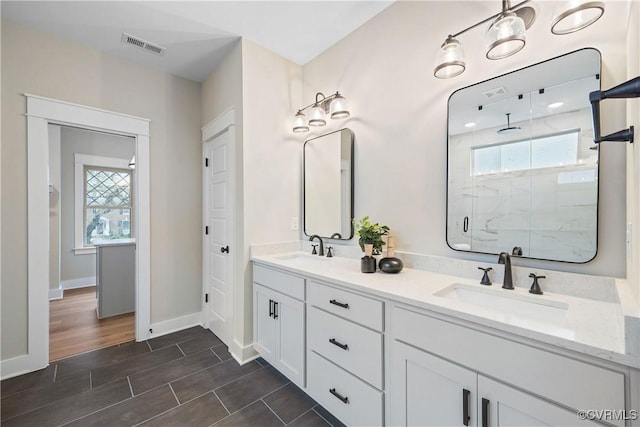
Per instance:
{"type": "Point", "coordinates": [390, 265]}
{"type": "Point", "coordinates": [368, 264]}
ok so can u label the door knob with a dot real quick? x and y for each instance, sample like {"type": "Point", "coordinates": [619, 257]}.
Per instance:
{"type": "Point", "coordinates": [225, 249]}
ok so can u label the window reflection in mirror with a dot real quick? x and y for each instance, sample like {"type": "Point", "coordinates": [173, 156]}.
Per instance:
{"type": "Point", "coordinates": [328, 185]}
{"type": "Point", "coordinates": [522, 165]}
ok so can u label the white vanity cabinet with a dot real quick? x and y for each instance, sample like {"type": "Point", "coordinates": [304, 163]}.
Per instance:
{"type": "Point", "coordinates": [345, 354]}
{"type": "Point", "coordinates": [446, 374]}
{"type": "Point", "coordinates": [376, 356]}
{"type": "Point", "coordinates": [278, 321]}
{"type": "Point", "coordinates": [431, 391]}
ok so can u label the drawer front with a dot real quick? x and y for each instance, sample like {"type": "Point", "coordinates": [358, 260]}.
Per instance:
{"type": "Point", "coordinates": [363, 403]}
{"type": "Point", "coordinates": [287, 284]}
{"type": "Point", "coordinates": [570, 382]}
{"type": "Point", "coordinates": [357, 308]}
{"type": "Point", "coordinates": [348, 345]}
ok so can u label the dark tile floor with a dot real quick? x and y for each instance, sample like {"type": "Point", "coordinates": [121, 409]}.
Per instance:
{"type": "Point", "coordinates": [187, 378]}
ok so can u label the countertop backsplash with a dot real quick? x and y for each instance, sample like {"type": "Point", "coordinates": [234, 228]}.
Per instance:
{"type": "Point", "coordinates": [578, 285]}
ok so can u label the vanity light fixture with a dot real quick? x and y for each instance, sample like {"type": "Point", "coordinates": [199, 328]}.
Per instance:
{"type": "Point", "coordinates": [505, 36]}
{"type": "Point", "coordinates": [335, 106]}
{"type": "Point", "coordinates": [579, 15]}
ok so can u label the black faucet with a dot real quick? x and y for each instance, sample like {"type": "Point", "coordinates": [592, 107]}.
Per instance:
{"type": "Point", "coordinates": [321, 250]}
{"type": "Point", "coordinates": [505, 259]}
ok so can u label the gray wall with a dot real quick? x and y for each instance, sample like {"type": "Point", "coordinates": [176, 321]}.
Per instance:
{"type": "Point", "coordinates": [37, 63]}
{"type": "Point", "coordinates": [83, 142]}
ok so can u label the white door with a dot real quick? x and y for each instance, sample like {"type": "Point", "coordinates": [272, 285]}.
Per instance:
{"type": "Point", "coordinates": [429, 391]}
{"type": "Point", "coordinates": [500, 405]}
{"type": "Point", "coordinates": [289, 314]}
{"type": "Point", "coordinates": [264, 323]}
{"type": "Point", "coordinates": [218, 252]}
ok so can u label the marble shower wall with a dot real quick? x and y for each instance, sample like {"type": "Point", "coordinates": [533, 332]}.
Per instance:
{"type": "Point", "coordinates": [551, 213]}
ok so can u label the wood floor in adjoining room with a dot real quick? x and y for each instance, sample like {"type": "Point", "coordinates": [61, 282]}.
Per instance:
{"type": "Point", "coordinates": [74, 326]}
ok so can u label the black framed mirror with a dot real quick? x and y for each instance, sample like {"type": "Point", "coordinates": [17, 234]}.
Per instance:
{"type": "Point", "coordinates": [522, 167]}
{"type": "Point", "coordinates": [328, 169]}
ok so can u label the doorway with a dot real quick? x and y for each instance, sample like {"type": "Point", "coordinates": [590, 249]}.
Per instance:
{"type": "Point", "coordinates": [41, 112]}
{"type": "Point", "coordinates": [91, 208]}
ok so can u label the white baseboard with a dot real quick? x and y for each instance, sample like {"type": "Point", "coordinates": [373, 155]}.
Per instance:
{"type": "Point", "coordinates": [17, 366]}
{"type": "Point", "coordinates": [243, 354]}
{"type": "Point", "coordinates": [173, 325]}
{"type": "Point", "coordinates": [81, 282]}
{"type": "Point", "coordinates": [55, 294]}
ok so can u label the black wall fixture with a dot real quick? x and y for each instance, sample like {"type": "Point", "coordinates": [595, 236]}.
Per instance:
{"type": "Point", "coordinates": [628, 89]}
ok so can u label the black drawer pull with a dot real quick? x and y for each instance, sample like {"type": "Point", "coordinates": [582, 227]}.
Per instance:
{"type": "Point", "coordinates": [485, 412]}
{"type": "Point", "coordinates": [465, 407]}
{"type": "Point", "coordinates": [344, 399]}
{"type": "Point", "coordinates": [342, 346]}
{"type": "Point", "coordinates": [339, 304]}
{"type": "Point", "coordinates": [275, 309]}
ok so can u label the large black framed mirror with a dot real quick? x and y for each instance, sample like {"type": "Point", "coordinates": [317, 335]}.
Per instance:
{"type": "Point", "coordinates": [522, 167]}
{"type": "Point", "coordinates": [328, 169]}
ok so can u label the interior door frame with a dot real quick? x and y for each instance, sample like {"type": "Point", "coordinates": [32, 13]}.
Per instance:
{"type": "Point", "coordinates": [41, 112]}
{"type": "Point", "coordinates": [225, 122]}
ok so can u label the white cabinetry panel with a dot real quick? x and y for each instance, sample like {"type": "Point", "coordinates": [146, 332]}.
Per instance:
{"type": "Point", "coordinates": [348, 398]}
{"type": "Point", "coordinates": [351, 346]}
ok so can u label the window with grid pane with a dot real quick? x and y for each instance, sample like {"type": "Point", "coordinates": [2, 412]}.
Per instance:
{"type": "Point", "coordinates": [107, 204]}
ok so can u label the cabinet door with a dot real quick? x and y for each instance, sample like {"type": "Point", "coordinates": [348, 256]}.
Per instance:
{"type": "Point", "coordinates": [502, 405]}
{"type": "Point", "coordinates": [264, 324]}
{"type": "Point", "coordinates": [290, 320]}
{"type": "Point", "coordinates": [429, 391]}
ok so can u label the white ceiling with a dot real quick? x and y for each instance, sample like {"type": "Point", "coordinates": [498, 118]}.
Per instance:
{"type": "Point", "coordinates": [197, 34]}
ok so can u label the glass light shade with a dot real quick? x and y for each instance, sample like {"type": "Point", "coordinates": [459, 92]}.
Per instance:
{"type": "Point", "coordinates": [576, 16]}
{"type": "Point", "coordinates": [317, 116]}
{"type": "Point", "coordinates": [449, 59]}
{"type": "Point", "coordinates": [299, 124]}
{"type": "Point", "coordinates": [338, 108]}
{"type": "Point", "coordinates": [505, 36]}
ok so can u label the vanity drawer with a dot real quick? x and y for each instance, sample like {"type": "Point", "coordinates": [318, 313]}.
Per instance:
{"type": "Point", "coordinates": [285, 283]}
{"type": "Point", "coordinates": [570, 382]}
{"type": "Point", "coordinates": [363, 353]}
{"type": "Point", "coordinates": [363, 405]}
{"type": "Point", "coordinates": [358, 308]}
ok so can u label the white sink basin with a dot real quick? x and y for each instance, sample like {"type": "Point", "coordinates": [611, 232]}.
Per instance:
{"type": "Point", "coordinates": [515, 307]}
{"type": "Point", "coordinates": [301, 256]}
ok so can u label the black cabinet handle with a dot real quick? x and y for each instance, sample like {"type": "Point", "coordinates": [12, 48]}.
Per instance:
{"type": "Point", "coordinates": [485, 412]}
{"type": "Point", "coordinates": [465, 224]}
{"type": "Point", "coordinates": [275, 310]}
{"type": "Point", "coordinates": [342, 346]}
{"type": "Point", "coordinates": [270, 308]}
{"type": "Point", "coordinates": [344, 399]}
{"type": "Point", "coordinates": [465, 407]}
{"type": "Point", "coordinates": [225, 249]}
{"type": "Point", "coordinates": [339, 304]}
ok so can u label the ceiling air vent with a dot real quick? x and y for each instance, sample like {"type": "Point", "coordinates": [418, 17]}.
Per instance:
{"type": "Point", "coordinates": [142, 44]}
{"type": "Point", "coordinates": [490, 94]}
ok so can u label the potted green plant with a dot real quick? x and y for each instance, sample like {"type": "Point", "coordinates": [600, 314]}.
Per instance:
{"type": "Point", "coordinates": [370, 233]}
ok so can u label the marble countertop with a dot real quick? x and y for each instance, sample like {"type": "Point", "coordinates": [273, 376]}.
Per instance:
{"type": "Point", "coordinates": [595, 328]}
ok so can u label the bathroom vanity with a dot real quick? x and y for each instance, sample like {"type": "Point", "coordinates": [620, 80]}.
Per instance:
{"type": "Point", "coordinates": [424, 348]}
